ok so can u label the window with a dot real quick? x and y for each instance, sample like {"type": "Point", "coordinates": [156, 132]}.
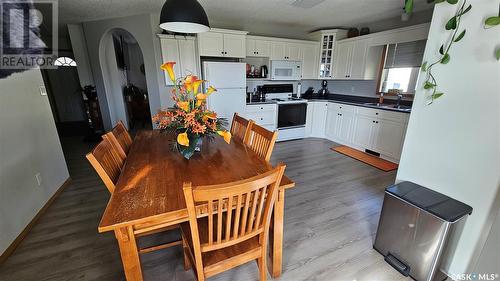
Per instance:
{"type": "Point", "coordinates": [402, 66]}
{"type": "Point", "coordinates": [64, 61]}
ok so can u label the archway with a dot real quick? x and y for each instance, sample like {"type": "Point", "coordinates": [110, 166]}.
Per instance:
{"type": "Point", "coordinates": [122, 64]}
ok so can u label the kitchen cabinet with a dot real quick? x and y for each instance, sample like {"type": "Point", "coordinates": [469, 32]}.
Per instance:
{"type": "Point", "coordinates": [317, 119]}
{"type": "Point", "coordinates": [264, 115]}
{"type": "Point", "coordinates": [222, 43]}
{"type": "Point", "coordinates": [350, 59]}
{"type": "Point", "coordinates": [258, 48]}
{"type": "Point", "coordinates": [339, 122]}
{"type": "Point", "coordinates": [182, 50]}
{"type": "Point", "coordinates": [281, 50]}
{"type": "Point", "coordinates": [328, 41]}
{"type": "Point", "coordinates": [309, 61]}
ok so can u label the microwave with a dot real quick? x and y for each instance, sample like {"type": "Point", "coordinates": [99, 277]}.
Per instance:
{"type": "Point", "coordinates": [286, 70]}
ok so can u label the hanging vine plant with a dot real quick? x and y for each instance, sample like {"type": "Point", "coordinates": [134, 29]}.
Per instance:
{"type": "Point", "coordinates": [491, 22]}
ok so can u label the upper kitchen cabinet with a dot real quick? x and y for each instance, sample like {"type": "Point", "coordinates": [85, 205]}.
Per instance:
{"type": "Point", "coordinates": [281, 50]}
{"type": "Point", "coordinates": [222, 43]}
{"type": "Point", "coordinates": [182, 50]}
{"type": "Point", "coordinates": [328, 40]}
{"type": "Point", "coordinates": [258, 47]}
{"type": "Point", "coordinates": [310, 53]}
{"type": "Point", "coordinates": [351, 59]}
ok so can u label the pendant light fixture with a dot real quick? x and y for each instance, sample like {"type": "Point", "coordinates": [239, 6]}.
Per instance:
{"type": "Point", "coordinates": [184, 16]}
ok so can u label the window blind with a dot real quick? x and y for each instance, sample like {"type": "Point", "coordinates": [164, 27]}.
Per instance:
{"type": "Point", "coordinates": [408, 54]}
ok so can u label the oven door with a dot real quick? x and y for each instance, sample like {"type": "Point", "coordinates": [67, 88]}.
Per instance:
{"type": "Point", "coordinates": [292, 115]}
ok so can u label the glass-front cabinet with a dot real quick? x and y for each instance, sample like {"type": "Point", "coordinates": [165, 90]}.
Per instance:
{"type": "Point", "coordinates": [328, 39]}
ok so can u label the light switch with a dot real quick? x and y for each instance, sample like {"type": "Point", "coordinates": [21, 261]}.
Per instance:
{"type": "Point", "coordinates": [43, 91]}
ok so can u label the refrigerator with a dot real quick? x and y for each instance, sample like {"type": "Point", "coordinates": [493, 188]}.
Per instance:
{"type": "Point", "coordinates": [229, 78]}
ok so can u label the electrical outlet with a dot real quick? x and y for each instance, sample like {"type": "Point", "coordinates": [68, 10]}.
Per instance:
{"type": "Point", "coordinates": [38, 178]}
{"type": "Point", "coordinates": [43, 91]}
{"type": "Point", "coordinates": [352, 89]}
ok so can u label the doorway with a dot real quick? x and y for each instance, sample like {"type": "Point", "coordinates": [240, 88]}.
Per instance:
{"type": "Point", "coordinates": [124, 76]}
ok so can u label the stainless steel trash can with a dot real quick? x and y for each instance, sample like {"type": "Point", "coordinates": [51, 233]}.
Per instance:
{"type": "Point", "coordinates": [414, 226]}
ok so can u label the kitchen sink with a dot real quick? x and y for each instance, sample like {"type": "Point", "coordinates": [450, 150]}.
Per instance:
{"type": "Point", "coordinates": [384, 105]}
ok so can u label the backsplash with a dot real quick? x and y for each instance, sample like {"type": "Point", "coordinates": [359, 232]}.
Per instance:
{"type": "Point", "coordinates": [365, 88]}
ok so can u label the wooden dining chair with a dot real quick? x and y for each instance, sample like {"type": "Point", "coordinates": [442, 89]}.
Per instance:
{"type": "Point", "coordinates": [109, 136]}
{"type": "Point", "coordinates": [108, 163]}
{"type": "Point", "coordinates": [121, 136]}
{"type": "Point", "coordinates": [234, 224]}
{"type": "Point", "coordinates": [240, 128]}
{"type": "Point", "coordinates": [261, 141]}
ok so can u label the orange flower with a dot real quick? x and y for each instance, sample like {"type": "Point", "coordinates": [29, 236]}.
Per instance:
{"type": "Point", "coordinates": [201, 96]}
{"type": "Point", "coordinates": [209, 115]}
{"type": "Point", "coordinates": [211, 90]}
{"type": "Point", "coordinates": [184, 105]}
{"type": "Point", "coordinates": [226, 135]}
{"type": "Point", "coordinates": [188, 82]}
{"type": "Point", "coordinates": [169, 68]}
{"type": "Point", "coordinates": [196, 86]}
{"type": "Point", "coordinates": [183, 139]}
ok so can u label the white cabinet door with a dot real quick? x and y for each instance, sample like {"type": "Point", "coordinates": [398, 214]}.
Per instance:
{"type": "Point", "coordinates": [358, 59]}
{"type": "Point", "coordinates": [309, 61]}
{"type": "Point", "coordinates": [342, 60]}
{"type": "Point", "coordinates": [234, 45]}
{"type": "Point", "coordinates": [388, 137]}
{"type": "Point", "coordinates": [363, 131]}
{"type": "Point", "coordinates": [250, 48]}
{"type": "Point", "coordinates": [344, 128]}
{"type": "Point", "coordinates": [309, 118]}
{"type": "Point", "coordinates": [277, 50]}
{"type": "Point", "coordinates": [187, 57]}
{"type": "Point", "coordinates": [170, 52]}
{"type": "Point", "coordinates": [262, 48]}
{"type": "Point", "coordinates": [332, 121]}
{"type": "Point", "coordinates": [293, 52]}
{"type": "Point", "coordinates": [211, 44]}
{"type": "Point", "coordinates": [320, 112]}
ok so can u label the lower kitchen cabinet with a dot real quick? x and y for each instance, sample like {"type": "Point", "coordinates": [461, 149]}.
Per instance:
{"type": "Point", "coordinates": [316, 123]}
{"type": "Point", "coordinates": [339, 122]}
{"type": "Point", "coordinates": [263, 114]}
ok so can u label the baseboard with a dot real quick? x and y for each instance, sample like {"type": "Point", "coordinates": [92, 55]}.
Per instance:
{"type": "Point", "coordinates": [12, 247]}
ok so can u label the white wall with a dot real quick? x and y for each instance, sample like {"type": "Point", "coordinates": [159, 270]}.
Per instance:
{"type": "Point", "coordinates": [140, 27]}
{"type": "Point", "coordinates": [29, 144]}
{"type": "Point", "coordinates": [453, 145]}
{"type": "Point", "coordinates": [81, 54]}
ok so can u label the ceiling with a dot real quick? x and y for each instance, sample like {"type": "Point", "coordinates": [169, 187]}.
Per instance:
{"type": "Point", "coordinates": [256, 16]}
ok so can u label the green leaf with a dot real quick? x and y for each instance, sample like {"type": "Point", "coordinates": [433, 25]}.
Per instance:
{"type": "Point", "coordinates": [492, 21]}
{"type": "Point", "coordinates": [445, 59]}
{"type": "Point", "coordinates": [435, 1]}
{"type": "Point", "coordinates": [460, 36]}
{"type": "Point", "coordinates": [408, 6]}
{"type": "Point", "coordinates": [453, 2]}
{"type": "Point", "coordinates": [441, 50]}
{"type": "Point", "coordinates": [451, 24]}
{"type": "Point", "coordinates": [428, 85]}
{"type": "Point", "coordinates": [437, 95]}
{"type": "Point", "coordinates": [424, 67]}
{"type": "Point", "coordinates": [497, 53]}
{"type": "Point", "coordinates": [466, 10]}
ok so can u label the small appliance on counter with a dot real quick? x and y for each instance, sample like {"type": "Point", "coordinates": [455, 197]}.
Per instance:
{"type": "Point", "coordinates": [324, 89]}
{"type": "Point", "coordinates": [263, 71]}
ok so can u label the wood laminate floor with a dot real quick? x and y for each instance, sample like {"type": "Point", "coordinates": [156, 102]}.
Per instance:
{"type": "Point", "coordinates": [331, 219]}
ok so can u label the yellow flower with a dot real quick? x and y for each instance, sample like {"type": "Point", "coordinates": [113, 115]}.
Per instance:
{"type": "Point", "coordinates": [211, 90]}
{"type": "Point", "coordinates": [196, 86]}
{"type": "Point", "coordinates": [226, 135]}
{"type": "Point", "coordinates": [201, 96]}
{"type": "Point", "coordinates": [199, 103]}
{"type": "Point", "coordinates": [169, 68]}
{"type": "Point", "coordinates": [183, 139]}
{"type": "Point", "coordinates": [184, 105]}
{"type": "Point", "coordinates": [188, 82]}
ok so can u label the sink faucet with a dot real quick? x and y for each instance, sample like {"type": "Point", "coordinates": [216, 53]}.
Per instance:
{"type": "Point", "coordinates": [400, 96]}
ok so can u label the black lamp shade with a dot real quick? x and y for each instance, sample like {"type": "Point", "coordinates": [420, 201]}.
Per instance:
{"type": "Point", "coordinates": [184, 16]}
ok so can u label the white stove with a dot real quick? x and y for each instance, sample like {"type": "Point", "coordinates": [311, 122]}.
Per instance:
{"type": "Point", "coordinates": [291, 111]}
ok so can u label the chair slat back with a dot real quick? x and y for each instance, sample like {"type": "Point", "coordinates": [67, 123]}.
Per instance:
{"type": "Point", "coordinates": [115, 143]}
{"type": "Point", "coordinates": [261, 141]}
{"type": "Point", "coordinates": [240, 128]}
{"type": "Point", "coordinates": [236, 211]}
{"type": "Point", "coordinates": [107, 162]}
{"type": "Point", "coordinates": [122, 136]}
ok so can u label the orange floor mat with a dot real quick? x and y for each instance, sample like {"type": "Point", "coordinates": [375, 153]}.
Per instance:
{"type": "Point", "coordinates": [371, 160]}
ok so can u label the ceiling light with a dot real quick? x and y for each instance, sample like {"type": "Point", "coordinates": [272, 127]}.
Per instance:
{"type": "Point", "coordinates": [184, 16]}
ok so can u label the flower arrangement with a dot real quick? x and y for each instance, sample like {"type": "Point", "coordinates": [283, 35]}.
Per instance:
{"type": "Point", "coordinates": [189, 117]}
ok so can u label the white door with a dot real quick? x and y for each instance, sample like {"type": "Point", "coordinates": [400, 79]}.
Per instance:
{"type": "Point", "coordinates": [170, 52]}
{"type": "Point", "coordinates": [309, 61]}
{"type": "Point", "coordinates": [358, 59]}
{"type": "Point", "coordinates": [211, 44]}
{"type": "Point", "coordinates": [225, 102]}
{"type": "Point", "coordinates": [293, 51]}
{"type": "Point", "coordinates": [234, 45]}
{"type": "Point", "coordinates": [187, 58]}
{"type": "Point", "coordinates": [262, 48]}
{"type": "Point", "coordinates": [342, 60]}
{"type": "Point", "coordinates": [277, 50]}
{"type": "Point", "coordinates": [250, 48]}
{"type": "Point", "coordinates": [388, 138]}
{"type": "Point", "coordinates": [223, 75]}
{"type": "Point", "coordinates": [362, 131]}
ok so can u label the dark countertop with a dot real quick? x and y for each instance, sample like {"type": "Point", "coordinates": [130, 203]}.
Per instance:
{"type": "Point", "coordinates": [361, 101]}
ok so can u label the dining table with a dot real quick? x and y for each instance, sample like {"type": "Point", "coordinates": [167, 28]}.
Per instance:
{"type": "Point", "coordinates": [148, 195]}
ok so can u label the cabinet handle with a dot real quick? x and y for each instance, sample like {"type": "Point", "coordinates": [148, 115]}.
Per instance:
{"type": "Point", "coordinates": [261, 119]}
{"type": "Point", "coordinates": [376, 122]}
{"type": "Point", "coordinates": [257, 53]}
{"type": "Point", "coordinates": [373, 121]}
{"type": "Point", "coordinates": [261, 108]}
{"type": "Point", "coordinates": [376, 113]}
